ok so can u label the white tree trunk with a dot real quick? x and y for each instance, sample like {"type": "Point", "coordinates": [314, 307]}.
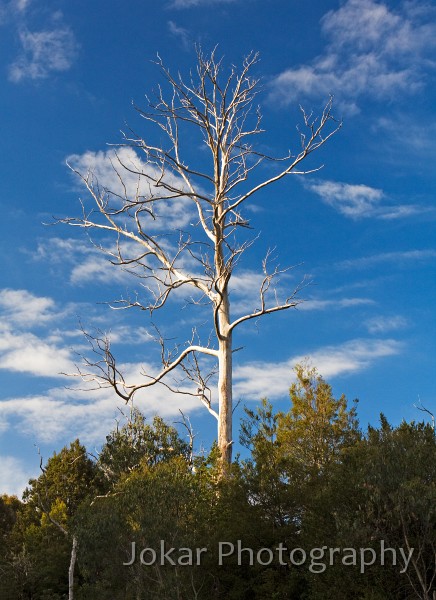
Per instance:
{"type": "Point", "coordinates": [71, 569]}
{"type": "Point", "coordinates": [225, 399]}
{"type": "Point", "coordinates": [225, 369]}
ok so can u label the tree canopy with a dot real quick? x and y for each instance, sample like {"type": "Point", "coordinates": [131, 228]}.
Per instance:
{"type": "Point", "coordinates": [311, 482]}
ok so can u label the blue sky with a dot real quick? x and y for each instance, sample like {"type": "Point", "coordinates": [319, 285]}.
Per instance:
{"type": "Point", "coordinates": [361, 229]}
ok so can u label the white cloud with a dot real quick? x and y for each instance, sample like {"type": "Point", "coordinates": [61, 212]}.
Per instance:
{"type": "Point", "coordinates": [245, 295]}
{"type": "Point", "coordinates": [354, 201]}
{"type": "Point", "coordinates": [88, 414]}
{"type": "Point", "coordinates": [27, 353]}
{"type": "Point", "coordinates": [122, 174]}
{"type": "Point", "coordinates": [87, 263]}
{"type": "Point", "coordinates": [372, 51]}
{"type": "Point", "coordinates": [108, 170]}
{"type": "Point", "coordinates": [244, 291]}
{"type": "Point", "coordinates": [99, 270]}
{"type": "Point", "coordinates": [24, 308]}
{"type": "Point", "coordinates": [382, 324]}
{"type": "Point", "coordinates": [246, 282]}
{"type": "Point", "coordinates": [358, 201]}
{"type": "Point", "coordinates": [13, 476]}
{"type": "Point", "coordinates": [97, 267]}
{"type": "Point", "coordinates": [129, 335]}
{"type": "Point", "coordinates": [60, 250]}
{"type": "Point", "coordinates": [263, 379]}
{"type": "Point", "coordinates": [43, 53]}
{"type": "Point", "coordinates": [390, 213]}
{"type": "Point", "coordinates": [399, 258]}
{"type": "Point", "coordinates": [48, 419]}
{"type": "Point", "coordinates": [376, 24]}
{"type": "Point", "coordinates": [334, 303]}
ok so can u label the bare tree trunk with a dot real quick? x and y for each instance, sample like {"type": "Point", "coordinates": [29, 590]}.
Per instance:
{"type": "Point", "coordinates": [224, 335]}
{"type": "Point", "coordinates": [225, 439]}
{"type": "Point", "coordinates": [71, 569]}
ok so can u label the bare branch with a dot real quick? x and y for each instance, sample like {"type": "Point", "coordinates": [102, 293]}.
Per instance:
{"type": "Point", "coordinates": [186, 423]}
{"type": "Point", "coordinates": [422, 408]}
{"type": "Point", "coordinates": [292, 301]}
{"type": "Point", "coordinates": [315, 140]}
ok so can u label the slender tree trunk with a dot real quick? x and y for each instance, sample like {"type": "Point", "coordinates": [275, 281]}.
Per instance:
{"type": "Point", "coordinates": [71, 569]}
{"type": "Point", "coordinates": [225, 439]}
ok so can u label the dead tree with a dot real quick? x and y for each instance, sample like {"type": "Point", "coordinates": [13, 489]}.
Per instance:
{"type": "Point", "coordinates": [215, 113]}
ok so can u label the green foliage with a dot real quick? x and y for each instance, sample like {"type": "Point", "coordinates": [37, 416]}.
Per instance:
{"type": "Point", "coordinates": [137, 443]}
{"type": "Point", "coordinates": [294, 456]}
{"type": "Point", "coordinates": [311, 479]}
{"type": "Point", "coordinates": [390, 481]}
{"type": "Point", "coordinates": [151, 494]}
{"type": "Point", "coordinates": [40, 541]}
{"type": "Point", "coordinates": [69, 476]}
{"type": "Point", "coordinates": [318, 427]}
{"type": "Point", "coordinates": [151, 503]}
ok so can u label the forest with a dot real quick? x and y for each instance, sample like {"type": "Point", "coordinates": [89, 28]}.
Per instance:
{"type": "Point", "coordinates": [314, 507]}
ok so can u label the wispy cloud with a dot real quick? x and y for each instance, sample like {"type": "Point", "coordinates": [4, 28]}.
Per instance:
{"type": "Point", "coordinates": [65, 413]}
{"type": "Point", "coordinates": [11, 9]}
{"type": "Point", "coordinates": [359, 201]}
{"type": "Point", "coordinates": [25, 309]}
{"type": "Point", "coordinates": [48, 419]}
{"type": "Point", "coordinates": [372, 51]}
{"type": "Point", "coordinates": [382, 324]}
{"type": "Point", "coordinates": [43, 53]}
{"type": "Point", "coordinates": [245, 295]}
{"type": "Point", "coordinates": [88, 414]}
{"type": "Point", "coordinates": [421, 135]}
{"type": "Point", "coordinates": [81, 262]}
{"type": "Point", "coordinates": [60, 249]}
{"type": "Point", "coordinates": [24, 352]}
{"type": "Point", "coordinates": [78, 411]}
{"type": "Point", "coordinates": [84, 261]}
{"type": "Point", "coordinates": [22, 4]}
{"type": "Point", "coordinates": [401, 211]}
{"type": "Point", "coordinates": [125, 334]}
{"type": "Point", "coordinates": [179, 32]}
{"type": "Point", "coordinates": [264, 379]}
{"type": "Point", "coordinates": [107, 169]}
{"type": "Point", "coordinates": [97, 269]}
{"type": "Point", "coordinates": [399, 258]}
{"type": "Point", "coordinates": [193, 3]}
{"type": "Point", "coordinates": [354, 201]}
{"type": "Point", "coordinates": [49, 353]}
{"type": "Point", "coordinates": [334, 304]}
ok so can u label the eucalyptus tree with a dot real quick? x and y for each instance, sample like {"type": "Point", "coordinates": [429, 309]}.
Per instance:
{"type": "Point", "coordinates": [213, 112]}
